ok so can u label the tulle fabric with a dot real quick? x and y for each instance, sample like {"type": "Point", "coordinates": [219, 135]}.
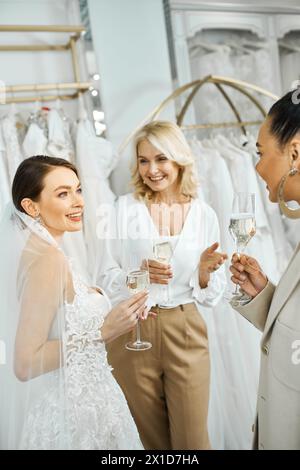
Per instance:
{"type": "Point", "coordinates": [26, 252]}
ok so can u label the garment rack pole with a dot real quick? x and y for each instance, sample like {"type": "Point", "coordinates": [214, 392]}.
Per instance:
{"type": "Point", "coordinates": [46, 87]}
{"type": "Point", "coordinates": [35, 48]}
{"type": "Point", "coordinates": [220, 125]}
{"type": "Point", "coordinates": [81, 87]}
{"type": "Point", "coordinates": [42, 98]}
{"type": "Point", "coordinates": [75, 30]}
{"type": "Point", "coordinates": [42, 28]}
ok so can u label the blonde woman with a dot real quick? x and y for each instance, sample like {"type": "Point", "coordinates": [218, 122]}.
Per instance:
{"type": "Point", "coordinates": [167, 386]}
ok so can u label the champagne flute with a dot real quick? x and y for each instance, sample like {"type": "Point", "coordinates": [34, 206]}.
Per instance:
{"type": "Point", "coordinates": [242, 228]}
{"type": "Point", "coordinates": [163, 251]}
{"type": "Point", "coordinates": [137, 280]}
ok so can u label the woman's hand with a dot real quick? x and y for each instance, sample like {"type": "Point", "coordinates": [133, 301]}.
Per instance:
{"type": "Point", "coordinates": [210, 261]}
{"type": "Point", "coordinates": [123, 318]}
{"type": "Point", "coordinates": [248, 274]}
{"type": "Point", "coordinates": [160, 273]}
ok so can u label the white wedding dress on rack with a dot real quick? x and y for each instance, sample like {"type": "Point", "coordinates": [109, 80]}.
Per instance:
{"type": "Point", "coordinates": [4, 186]}
{"type": "Point", "coordinates": [95, 159]}
{"type": "Point", "coordinates": [35, 142]}
{"type": "Point", "coordinates": [234, 342]}
{"type": "Point", "coordinates": [59, 135]}
{"type": "Point", "coordinates": [13, 153]}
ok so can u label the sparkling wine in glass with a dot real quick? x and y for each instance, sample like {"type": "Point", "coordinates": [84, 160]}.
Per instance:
{"type": "Point", "coordinates": [163, 252]}
{"type": "Point", "coordinates": [137, 280]}
{"type": "Point", "coordinates": [242, 228]}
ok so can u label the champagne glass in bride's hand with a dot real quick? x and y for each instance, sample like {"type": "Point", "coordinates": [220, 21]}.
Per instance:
{"type": "Point", "coordinates": [137, 280]}
{"type": "Point", "coordinates": [242, 228]}
{"type": "Point", "coordinates": [163, 251]}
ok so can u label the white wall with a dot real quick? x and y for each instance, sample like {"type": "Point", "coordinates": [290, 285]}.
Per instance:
{"type": "Point", "coordinates": [131, 46]}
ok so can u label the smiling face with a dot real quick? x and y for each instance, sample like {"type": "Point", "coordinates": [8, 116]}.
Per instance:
{"type": "Point", "coordinates": [276, 161]}
{"type": "Point", "coordinates": [155, 169]}
{"type": "Point", "coordinates": [60, 204]}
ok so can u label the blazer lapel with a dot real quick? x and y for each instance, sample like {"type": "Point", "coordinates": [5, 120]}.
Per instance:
{"type": "Point", "coordinates": [284, 289]}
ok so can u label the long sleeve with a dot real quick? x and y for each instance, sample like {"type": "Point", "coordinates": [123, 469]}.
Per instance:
{"type": "Point", "coordinates": [133, 232]}
{"type": "Point", "coordinates": [256, 311]}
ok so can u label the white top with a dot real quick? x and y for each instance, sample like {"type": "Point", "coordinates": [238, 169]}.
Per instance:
{"type": "Point", "coordinates": [135, 233]}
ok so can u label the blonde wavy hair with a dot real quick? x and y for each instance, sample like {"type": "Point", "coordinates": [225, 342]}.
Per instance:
{"type": "Point", "coordinates": [168, 138]}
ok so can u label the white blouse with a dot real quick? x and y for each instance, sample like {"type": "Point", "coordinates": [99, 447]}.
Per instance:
{"type": "Point", "coordinates": [134, 231]}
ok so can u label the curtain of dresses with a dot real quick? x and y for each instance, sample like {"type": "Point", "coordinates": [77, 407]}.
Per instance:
{"type": "Point", "coordinates": [49, 131]}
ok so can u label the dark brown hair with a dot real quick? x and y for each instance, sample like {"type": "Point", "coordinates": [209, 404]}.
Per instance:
{"type": "Point", "coordinates": [29, 177]}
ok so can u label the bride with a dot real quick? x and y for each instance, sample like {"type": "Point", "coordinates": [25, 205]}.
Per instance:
{"type": "Point", "coordinates": [56, 387]}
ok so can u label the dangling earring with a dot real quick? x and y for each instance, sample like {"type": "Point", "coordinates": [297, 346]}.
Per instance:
{"type": "Point", "coordinates": [290, 213]}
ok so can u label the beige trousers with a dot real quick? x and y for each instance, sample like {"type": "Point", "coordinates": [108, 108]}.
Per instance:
{"type": "Point", "coordinates": [167, 386]}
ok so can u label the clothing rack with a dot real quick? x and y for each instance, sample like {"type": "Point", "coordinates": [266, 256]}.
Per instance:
{"type": "Point", "coordinates": [74, 32]}
{"type": "Point", "coordinates": [220, 83]}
